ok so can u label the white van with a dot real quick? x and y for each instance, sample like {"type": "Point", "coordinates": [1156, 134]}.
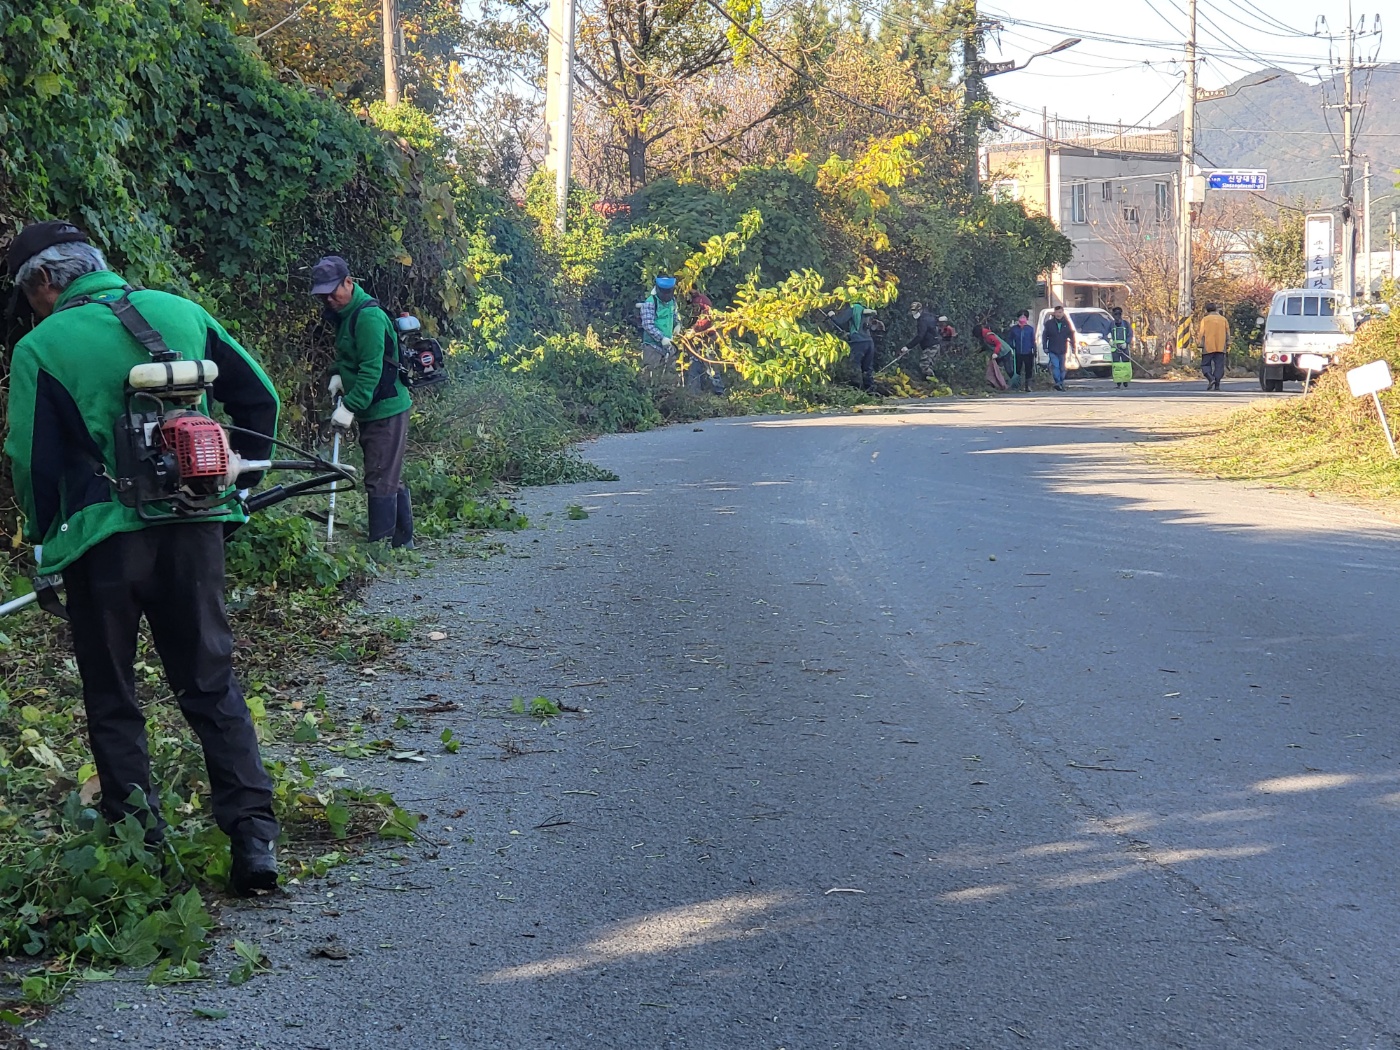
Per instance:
{"type": "Point", "coordinates": [1302, 321]}
{"type": "Point", "coordinates": [1091, 327]}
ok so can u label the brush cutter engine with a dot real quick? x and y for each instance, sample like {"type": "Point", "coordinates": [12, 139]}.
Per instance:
{"type": "Point", "coordinates": [173, 461]}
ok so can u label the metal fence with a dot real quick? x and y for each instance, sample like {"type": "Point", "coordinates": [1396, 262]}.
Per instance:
{"type": "Point", "coordinates": [1118, 138]}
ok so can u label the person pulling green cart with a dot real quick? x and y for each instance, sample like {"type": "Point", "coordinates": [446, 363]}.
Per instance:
{"type": "Point", "coordinates": [1120, 337]}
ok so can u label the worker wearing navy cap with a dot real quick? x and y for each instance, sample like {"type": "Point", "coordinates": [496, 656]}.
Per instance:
{"type": "Point", "coordinates": [366, 381]}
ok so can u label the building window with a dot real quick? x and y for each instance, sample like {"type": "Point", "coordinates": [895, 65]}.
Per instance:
{"type": "Point", "coordinates": [1130, 214]}
{"type": "Point", "coordinates": [1078, 202]}
{"type": "Point", "coordinates": [1006, 190]}
{"type": "Point", "coordinates": [1164, 201]}
{"type": "Point", "coordinates": [1108, 191]}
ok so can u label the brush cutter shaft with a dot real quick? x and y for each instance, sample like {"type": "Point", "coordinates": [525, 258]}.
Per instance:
{"type": "Point", "coordinates": [16, 604]}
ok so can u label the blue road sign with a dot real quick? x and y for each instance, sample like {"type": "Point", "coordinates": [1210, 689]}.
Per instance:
{"type": "Point", "coordinates": [1239, 179]}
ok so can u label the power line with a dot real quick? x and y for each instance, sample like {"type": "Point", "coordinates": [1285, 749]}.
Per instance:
{"type": "Point", "coordinates": [1264, 23]}
{"type": "Point", "coordinates": [1267, 57]}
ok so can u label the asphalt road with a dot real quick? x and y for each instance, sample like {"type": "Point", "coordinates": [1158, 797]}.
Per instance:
{"type": "Point", "coordinates": [955, 726]}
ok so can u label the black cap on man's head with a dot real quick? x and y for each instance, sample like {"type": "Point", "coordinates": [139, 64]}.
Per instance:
{"type": "Point", "coordinates": [38, 237]}
{"type": "Point", "coordinates": [328, 274]}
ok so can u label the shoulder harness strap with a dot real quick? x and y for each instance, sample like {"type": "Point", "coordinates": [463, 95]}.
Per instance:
{"type": "Point", "coordinates": [132, 320]}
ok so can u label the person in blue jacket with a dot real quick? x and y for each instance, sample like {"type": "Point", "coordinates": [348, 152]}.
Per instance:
{"type": "Point", "coordinates": [1021, 338]}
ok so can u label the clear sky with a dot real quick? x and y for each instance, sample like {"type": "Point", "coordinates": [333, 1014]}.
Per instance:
{"type": "Point", "coordinates": [1130, 65]}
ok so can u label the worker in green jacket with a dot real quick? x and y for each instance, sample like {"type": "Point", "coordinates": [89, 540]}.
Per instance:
{"type": "Point", "coordinates": [67, 391]}
{"type": "Point", "coordinates": [365, 379]}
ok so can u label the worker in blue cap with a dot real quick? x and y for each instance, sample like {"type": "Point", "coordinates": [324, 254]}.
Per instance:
{"type": "Point", "coordinates": [659, 323]}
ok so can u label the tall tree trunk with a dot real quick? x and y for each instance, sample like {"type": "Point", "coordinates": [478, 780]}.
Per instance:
{"type": "Point", "coordinates": [636, 145]}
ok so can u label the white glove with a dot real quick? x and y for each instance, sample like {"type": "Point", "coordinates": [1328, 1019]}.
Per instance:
{"type": "Point", "coordinates": [342, 418]}
{"type": "Point", "coordinates": [831, 313]}
{"type": "Point", "coordinates": [903, 349]}
{"type": "Point", "coordinates": [38, 555]}
{"type": "Point", "coordinates": [667, 345]}
{"type": "Point", "coordinates": [336, 386]}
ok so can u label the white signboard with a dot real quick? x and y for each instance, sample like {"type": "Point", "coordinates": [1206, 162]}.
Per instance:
{"type": "Point", "coordinates": [1316, 363]}
{"type": "Point", "coordinates": [1369, 379]}
{"type": "Point", "coordinates": [1318, 239]}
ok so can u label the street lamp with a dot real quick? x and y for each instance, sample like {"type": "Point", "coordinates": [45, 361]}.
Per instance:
{"type": "Point", "coordinates": [991, 69]}
{"type": "Point", "coordinates": [1202, 95]}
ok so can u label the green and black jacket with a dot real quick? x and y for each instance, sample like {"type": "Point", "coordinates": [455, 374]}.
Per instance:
{"type": "Point", "coordinates": [367, 359]}
{"type": "Point", "coordinates": [67, 391]}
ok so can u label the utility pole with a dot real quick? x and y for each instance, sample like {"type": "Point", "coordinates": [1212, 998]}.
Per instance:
{"type": "Point", "coordinates": [1366, 233]}
{"type": "Point", "coordinates": [559, 105]}
{"type": "Point", "coordinates": [1185, 308]}
{"type": "Point", "coordinates": [1348, 148]}
{"type": "Point", "coordinates": [390, 17]}
{"type": "Point", "coordinates": [972, 94]}
{"type": "Point", "coordinates": [1351, 111]}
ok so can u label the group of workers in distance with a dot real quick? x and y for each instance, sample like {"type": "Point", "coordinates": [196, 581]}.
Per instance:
{"type": "Point", "coordinates": [67, 391]}
{"type": "Point", "coordinates": [1013, 352]}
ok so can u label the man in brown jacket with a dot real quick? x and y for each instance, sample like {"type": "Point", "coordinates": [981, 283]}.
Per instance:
{"type": "Point", "coordinates": [1215, 334]}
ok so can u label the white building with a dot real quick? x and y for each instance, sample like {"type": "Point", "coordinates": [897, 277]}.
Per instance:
{"type": "Point", "coordinates": [1095, 181]}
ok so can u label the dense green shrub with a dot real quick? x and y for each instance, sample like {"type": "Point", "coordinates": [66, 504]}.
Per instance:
{"type": "Point", "coordinates": [492, 424]}
{"type": "Point", "coordinates": [282, 549]}
{"type": "Point", "coordinates": [598, 384]}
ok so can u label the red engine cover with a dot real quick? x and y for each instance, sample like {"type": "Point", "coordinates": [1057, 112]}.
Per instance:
{"type": "Point", "coordinates": [199, 444]}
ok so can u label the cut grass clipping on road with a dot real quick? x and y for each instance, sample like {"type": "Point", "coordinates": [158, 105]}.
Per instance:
{"type": "Point", "coordinates": [1327, 441]}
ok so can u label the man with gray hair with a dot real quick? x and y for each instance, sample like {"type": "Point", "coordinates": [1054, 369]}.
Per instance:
{"type": "Point", "coordinates": [68, 382]}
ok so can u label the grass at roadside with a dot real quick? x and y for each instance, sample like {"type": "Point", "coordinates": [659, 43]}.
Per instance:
{"type": "Point", "coordinates": [1327, 441]}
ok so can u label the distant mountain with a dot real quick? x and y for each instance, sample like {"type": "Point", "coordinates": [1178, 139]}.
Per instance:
{"type": "Point", "coordinates": [1282, 126]}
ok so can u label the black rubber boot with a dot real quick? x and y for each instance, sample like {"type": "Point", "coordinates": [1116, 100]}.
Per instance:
{"type": "Point", "coordinates": [403, 520]}
{"type": "Point", "coordinates": [382, 512]}
{"type": "Point", "coordinates": [254, 866]}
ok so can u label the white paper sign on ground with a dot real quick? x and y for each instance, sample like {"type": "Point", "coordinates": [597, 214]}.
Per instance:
{"type": "Point", "coordinates": [1315, 362]}
{"type": "Point", "coordinates": [1369, 379]}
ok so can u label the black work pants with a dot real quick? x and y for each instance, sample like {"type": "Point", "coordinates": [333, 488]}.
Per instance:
{"type": "Point", "coordinates": [1213, 367]}
{"type": "Point", "coordinates": [1025, 369]}
{"type": "Point", "coordinates": [863, 354]}
{"type": "Point", "coordinates": [174, 575]}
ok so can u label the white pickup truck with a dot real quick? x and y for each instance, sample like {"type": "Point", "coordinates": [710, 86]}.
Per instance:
{"type": "Point", "coordinates": [1302, 321]}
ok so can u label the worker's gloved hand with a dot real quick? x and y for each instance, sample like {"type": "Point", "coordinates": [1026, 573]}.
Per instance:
{"type": "Point", "coordinates": [903, 349]}
{"type": "Point", "coordinates": [336, 386]}
{"type": "Point", "coordinates": [39, 555]}
{"type": "Point", "coordinates": [831, 313]}
{"type": "Point", "coordinates": [342, 418]}
{"type": "Point", "coordinates": [667, 345]}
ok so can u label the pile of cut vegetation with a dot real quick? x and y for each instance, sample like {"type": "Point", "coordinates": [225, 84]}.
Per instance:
{"type": "Point", "coordinates": [1327, 441]}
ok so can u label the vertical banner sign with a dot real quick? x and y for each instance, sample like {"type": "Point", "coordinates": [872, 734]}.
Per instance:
{"type": "Point", "coordinates": [1318, 241]}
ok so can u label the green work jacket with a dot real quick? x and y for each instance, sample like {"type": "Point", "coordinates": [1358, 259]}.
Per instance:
{"type": "Point", "coordinates": [367, 360]}
{"type": "Point", "coordinates": [67, 392]}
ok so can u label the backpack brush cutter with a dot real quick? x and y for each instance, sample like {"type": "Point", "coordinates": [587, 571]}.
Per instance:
{"type": "Point", "coordinates": [175, 464]}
